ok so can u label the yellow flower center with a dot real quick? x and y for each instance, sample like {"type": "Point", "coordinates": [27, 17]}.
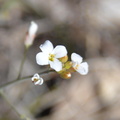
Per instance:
{"type": "Point", "coordinates": [35, 79]}
{"type": "Point", "coordinates": [76, 66]}
{"type": "Point", "coordinates": [51, 57]}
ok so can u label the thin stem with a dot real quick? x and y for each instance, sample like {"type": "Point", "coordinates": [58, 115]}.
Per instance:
{"type": "Point", "coordinates": [22, 62]}
{"type": "Point", "coordinates": [23, 78]}
{"type": "Point", "coordinates": [12, 106]}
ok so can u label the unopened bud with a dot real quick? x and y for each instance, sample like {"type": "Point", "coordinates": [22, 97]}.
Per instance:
{"type": "Point", "coordinates": [68, 65]}
{"type": "Point", "coordinates": [63, 59]}
{"type": "Point", "coordinates": [72, 70]}
{"type": "Point", "coordinates": [65, 75]}
{"type": "Point", "coordinates": [31, 34]}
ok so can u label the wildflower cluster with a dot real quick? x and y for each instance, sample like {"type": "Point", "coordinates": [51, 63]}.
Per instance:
{"type": "Point", "coordinates": [57, 59]}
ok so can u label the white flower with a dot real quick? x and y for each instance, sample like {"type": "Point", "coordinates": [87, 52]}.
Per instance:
{"type": "Point", "coordinates": [80, 67]}
{"type": "Point", "coordinates": [33, 28]}
{"type": "Point", "coordinates": [31, 34]}
{"type": "Point", "coordinates": [37, 79]}
{"type": "Point", "coordinates": [50, 55]}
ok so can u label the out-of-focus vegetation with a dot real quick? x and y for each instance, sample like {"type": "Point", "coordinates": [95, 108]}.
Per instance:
{"type": "Point", "coordinates": [90, 28]}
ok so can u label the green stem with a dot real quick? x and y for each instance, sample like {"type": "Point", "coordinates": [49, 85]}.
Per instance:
{"type": "Point", "coordinates": [12, 106]}
{"type": "Point", "coordinates": [23, 78]}
{"type": "Point", "coordinates": [22, 63]}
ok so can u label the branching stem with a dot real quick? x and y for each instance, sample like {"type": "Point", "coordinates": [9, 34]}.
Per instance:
{"type": "Point", "coordinates": [22, 63]}
{"type": "Point", "coordinates": [23, 78]}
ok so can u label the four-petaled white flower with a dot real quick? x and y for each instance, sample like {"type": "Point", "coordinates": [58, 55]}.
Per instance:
{"type": "Point", "coordinates": [80, 67]}
{"type": "Point", "coordinates": [37, 79]}
{"type": "Point", "coordinates": [50, 55]}
{"type": "Point", "coordinates": [31, 34]}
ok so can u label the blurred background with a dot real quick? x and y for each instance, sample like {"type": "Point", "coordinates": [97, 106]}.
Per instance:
{"type": "Point", "coordinates": [90, 28]}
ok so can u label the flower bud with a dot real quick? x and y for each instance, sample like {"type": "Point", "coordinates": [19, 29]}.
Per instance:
{"type": "Point", "coordinates": [65, 75]}
{"type": "Point", "coordinates": [31, 34]}
{"type": "Point", "coordinates": [72, 70]}
{"type": "Point", "coordinates": [68, 65]}
{"type": "Point", "coordinates": [63, 59]}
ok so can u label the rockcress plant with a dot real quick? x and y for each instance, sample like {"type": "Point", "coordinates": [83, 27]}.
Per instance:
{"type": "Point", "coordinates": [57, 59]}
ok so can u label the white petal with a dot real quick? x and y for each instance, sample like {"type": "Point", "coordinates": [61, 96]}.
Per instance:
{"type": "Point", "coordinates": [42, 58]}
{"type": "Point", "coordinates": [83, 68]}
{"type": "Point", "coordinates": [36, 75]}
{"type": "Point", "coordinates": [33, 28]}
{"type": "Point", "coordinates": [56, 65]}
{"type": "Point", "coordinates": [37, 83]}
{"type": "Point", "coordinates": [33, 78]}
{"type": "Point", "coordinates": [31, 34]}
{"type": "Point", "coordinates": [47, 46]}
{"type": "Point", "coordinates": [76, 58]}
{"type": "Point", "coordinates": [41, 81]}
{"type": "Point", "coordinates": [59, 51]}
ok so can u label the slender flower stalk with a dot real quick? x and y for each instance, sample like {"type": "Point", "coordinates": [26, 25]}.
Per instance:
{"type": "Point", "coordinates": [22, 63]}
{"type": "Point", "coordinates": [24, 78]}
{"type": "Point", "coordinates": [28, 42]}
{"type": "Point", "coordinates": [12, 106]}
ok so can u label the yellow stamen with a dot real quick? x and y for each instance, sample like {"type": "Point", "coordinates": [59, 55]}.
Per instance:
{"type": "Point", "coordinates": [35, 79]}
{"type": "Point", "coordinates": [51, 57]}
{"type": "Point", "coordinates": [76, 66]}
